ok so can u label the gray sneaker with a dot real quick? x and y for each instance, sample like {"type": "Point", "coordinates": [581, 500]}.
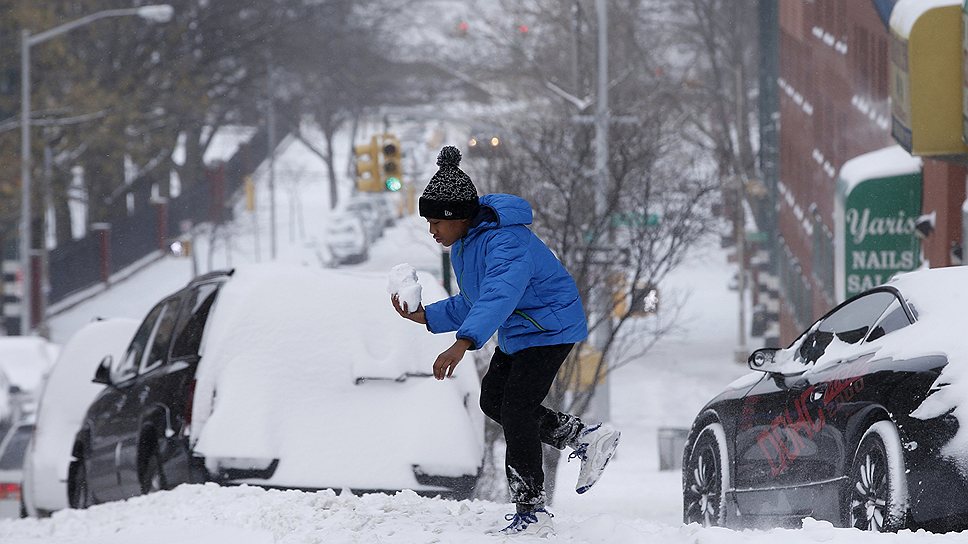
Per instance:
{"type": "Point", "coordinates": [595, 447]}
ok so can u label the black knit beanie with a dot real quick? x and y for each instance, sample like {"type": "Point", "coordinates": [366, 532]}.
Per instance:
{"type": "Point", "coordinates": [451, 193]}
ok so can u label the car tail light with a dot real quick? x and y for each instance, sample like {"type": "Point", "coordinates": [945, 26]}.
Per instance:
{"type": "Point", "coordinates": [189, 406]}
{"type": "Point", "coordinates": [9, 491]}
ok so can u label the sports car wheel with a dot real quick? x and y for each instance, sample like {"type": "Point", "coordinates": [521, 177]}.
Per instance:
{"type": "Point", "coordinates": [877, 494]}
{"type": "Point", "coordinates": [706, 479]}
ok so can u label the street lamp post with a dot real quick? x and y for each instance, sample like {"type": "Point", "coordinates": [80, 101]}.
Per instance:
{"type": "Point", "coordinates": [156, 13]}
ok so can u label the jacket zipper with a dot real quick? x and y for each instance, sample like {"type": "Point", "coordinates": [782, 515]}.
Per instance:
{"type": "Point", "coordinates": [460, 251]}
{"type": "Point", "coordinates": [533, 322]}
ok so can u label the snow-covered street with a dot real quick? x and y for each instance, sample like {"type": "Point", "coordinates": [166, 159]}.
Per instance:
{"type": "Point", "coordinates": [634, 502]}
{"type": "Point", "coordinates": [213, 515]}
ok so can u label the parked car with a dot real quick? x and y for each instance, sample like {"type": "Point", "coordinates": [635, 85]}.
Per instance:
{"type": "Point", "coordinates": [25, 360]}
{"type": "Point", "coordinates": [12, 449]}
{"type": "Point", "coordinates": [372, 215]}
{"type": "Point", "coordinates": [346, 239]}
{"type": "Point", "coordinates": [279, 376]}
{"type": "Point", "coordinates": [858, 422]}
{"type": "Point", "coordinates": [63, 401]}
{"type": "Point", "coordinates": [7, 414]}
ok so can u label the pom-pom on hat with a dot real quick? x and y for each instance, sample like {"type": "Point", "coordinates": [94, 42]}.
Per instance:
{"type": "Point", "coordinates": [451, 193]}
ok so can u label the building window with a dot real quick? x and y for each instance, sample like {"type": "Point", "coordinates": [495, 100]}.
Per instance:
{"type": "Point", "coordinates": [796, 289]}
{"type": "Point", "coordinates": [823, 257]}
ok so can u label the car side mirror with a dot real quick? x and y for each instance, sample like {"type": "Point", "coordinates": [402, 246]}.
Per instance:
{"type": "Point", "coordinates": [103, 373]}
{"type": "Point", "coordinates": [762, 359]}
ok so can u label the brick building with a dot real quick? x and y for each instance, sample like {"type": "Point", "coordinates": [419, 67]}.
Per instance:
{"type": "Point", "coordinates": [834, 105]}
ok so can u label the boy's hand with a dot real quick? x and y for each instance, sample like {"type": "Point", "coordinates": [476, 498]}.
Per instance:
{"type": "Point", "coordinates": [418, 316]}
{"type": "Point", "coordinates": [447, 361]}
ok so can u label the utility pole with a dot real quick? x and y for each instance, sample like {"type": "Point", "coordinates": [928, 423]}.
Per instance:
{"type": "Point", "coordinates": [271, 142]}
{"type": "Point", "coordinates": [601, 402]}
{"type": "Point", "coordinates": [26, 272]}
{"type": "Point", "coordinates": [741, 349]}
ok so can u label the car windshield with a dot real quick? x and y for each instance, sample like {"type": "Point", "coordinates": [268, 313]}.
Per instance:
{"type": "Point", "coordinates": [12, 457]}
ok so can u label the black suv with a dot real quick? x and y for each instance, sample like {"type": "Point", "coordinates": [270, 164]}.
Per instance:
{"type": "Point", "coordinates": [134, 438]}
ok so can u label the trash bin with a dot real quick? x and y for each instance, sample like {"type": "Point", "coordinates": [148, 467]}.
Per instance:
{"type": "Point", "coordinates": [672, 440]}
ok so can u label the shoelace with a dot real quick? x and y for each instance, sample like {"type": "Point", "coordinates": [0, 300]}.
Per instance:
{"type": "Point", "coordinates": [520, 522]}
{"type": "Point", "coordinates": [580, 452]}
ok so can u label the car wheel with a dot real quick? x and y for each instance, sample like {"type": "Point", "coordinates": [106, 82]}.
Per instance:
{"type": "Point", "coordinates": [153, 477]}
{"type": "Point", "coordinates": [706, 479]}
{"type": "Point", "coordinates": [876, 497]}
{"type": "Point", "coordinates": [79, 494]}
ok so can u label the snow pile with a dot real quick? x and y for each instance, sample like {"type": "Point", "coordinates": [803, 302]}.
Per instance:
{"type": "Point", "coordinates": [403, 282]}
{"type": "Point", "coordinates": [208, 514]}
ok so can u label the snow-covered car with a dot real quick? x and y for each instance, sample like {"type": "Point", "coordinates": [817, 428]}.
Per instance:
{"type": "Point", "coordinates": [285, 377]}
{"type": "Point", "coordinates": [372, 215]}
{"type": "Point", "coordinates": [346, 238]}
{"type": "Point", "coordinates": [12, 449]}
{"type": "Point", "coordinates": [860, 421]}
{"type": "Point", "coordinates": [25, 361]}
{"type": "Point", "coordinates": [63, 401]}
{"type": "Point", "coordinates": [6, 405]}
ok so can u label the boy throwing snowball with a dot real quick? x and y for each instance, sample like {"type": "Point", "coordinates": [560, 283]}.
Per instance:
{"type": "Point", "coordinates": [511, 283]}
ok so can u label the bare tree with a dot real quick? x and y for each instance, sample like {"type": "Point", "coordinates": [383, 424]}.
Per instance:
{"type": "Point", "coordinates": [663, 176]}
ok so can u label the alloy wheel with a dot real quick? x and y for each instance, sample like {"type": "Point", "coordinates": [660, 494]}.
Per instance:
{"type": "Point", "coordinates": [704, 492]}
{"type": "Point", "coordinates": [870, 491]}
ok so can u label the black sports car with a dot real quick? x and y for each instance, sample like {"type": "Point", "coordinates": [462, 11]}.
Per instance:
{"type": "Point", "coordinates": [856, 422]}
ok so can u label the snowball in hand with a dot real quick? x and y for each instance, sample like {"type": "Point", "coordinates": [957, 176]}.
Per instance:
{"type": "Point", "coordinates": [403, 283]}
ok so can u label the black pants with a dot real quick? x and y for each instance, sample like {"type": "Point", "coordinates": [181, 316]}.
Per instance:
{"type": "Point", "coordinates": [511, 394]}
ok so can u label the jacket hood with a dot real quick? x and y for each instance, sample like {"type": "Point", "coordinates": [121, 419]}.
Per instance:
{"type": "Point", "coordinates": [510, 210]}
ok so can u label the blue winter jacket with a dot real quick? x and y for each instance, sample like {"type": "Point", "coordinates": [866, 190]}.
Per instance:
{"type": "Point", "coordinates": [509, 282]}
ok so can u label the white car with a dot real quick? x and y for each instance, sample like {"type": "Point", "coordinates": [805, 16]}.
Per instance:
{"type": "Point", "coordinates": [346, 238]}
{"type": "Point", "coordinates": [12, 449]}
{"type": "Point", "coordinates": [66, 395]}
{"type": "Point", "coordinates": [25, 360]}
{"type": "Point", "coordinates": [372, 214]}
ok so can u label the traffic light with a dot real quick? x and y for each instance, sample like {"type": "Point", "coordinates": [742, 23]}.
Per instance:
{"type": "Point", "coordinates": [392, 163]}
{"type": "Point", "coordinates": [368, 176]}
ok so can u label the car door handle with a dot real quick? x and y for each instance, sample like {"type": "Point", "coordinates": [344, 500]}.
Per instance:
{"type": "Point", "coordinates": [818, 391]}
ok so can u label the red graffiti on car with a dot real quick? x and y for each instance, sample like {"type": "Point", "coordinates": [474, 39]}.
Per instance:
{"type": "Point", "coordinates": [785, 439]}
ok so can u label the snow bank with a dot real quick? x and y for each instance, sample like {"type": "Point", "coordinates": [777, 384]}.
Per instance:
{"type": "Point", "coordinates": [227, 515]}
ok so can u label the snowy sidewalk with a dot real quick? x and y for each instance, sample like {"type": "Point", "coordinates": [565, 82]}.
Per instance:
{"type": "Point", "coordinates": [246, 515]}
